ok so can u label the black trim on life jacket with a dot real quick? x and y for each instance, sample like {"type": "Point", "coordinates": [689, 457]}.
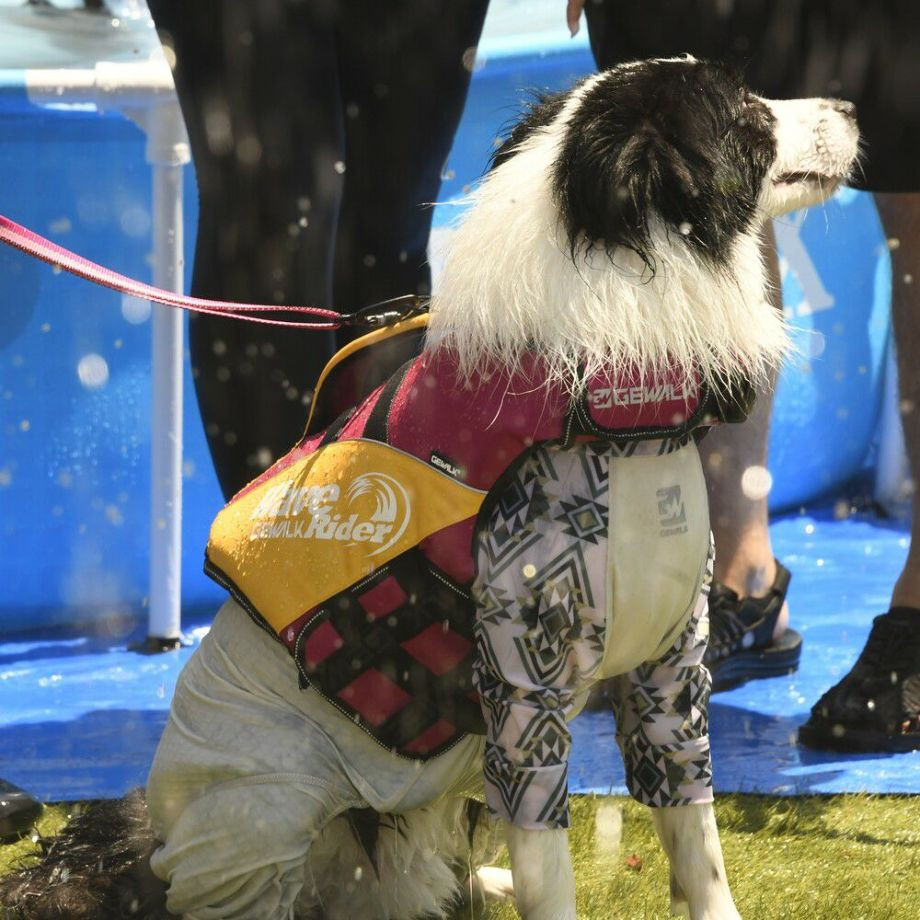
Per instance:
{"type": "Point", "coordinates": [212, 571]}
{"type": "Point", "coordinates": [377, 427]}
{"type": "Point", "coordinates": [359, 368]}
{"type": "Point", "coordinates": [335, 429]}
{"type": "Point", "coordinates": [378, 650]}
{"type": "Point", "coordinates": [734, 403]}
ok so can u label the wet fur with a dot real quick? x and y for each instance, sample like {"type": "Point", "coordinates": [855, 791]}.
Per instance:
{"type": "Point", "coordinates": [97, 868]}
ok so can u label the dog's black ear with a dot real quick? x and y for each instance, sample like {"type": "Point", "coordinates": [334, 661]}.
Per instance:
{"type": "Point", "coordinates": [664, 142]}
{"type": "Point", "coordinates": [541, 110]}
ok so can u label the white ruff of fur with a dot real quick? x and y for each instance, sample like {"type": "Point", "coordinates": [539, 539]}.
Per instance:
{"type": "Point", "coordinates": [509, 285]}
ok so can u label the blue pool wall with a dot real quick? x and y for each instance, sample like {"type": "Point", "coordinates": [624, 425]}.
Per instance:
{"type": "Point", "coordinates": [74, 463]}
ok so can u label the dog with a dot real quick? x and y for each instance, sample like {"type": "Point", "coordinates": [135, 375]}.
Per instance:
{"type": "Point", "coordinates": [602, 303]}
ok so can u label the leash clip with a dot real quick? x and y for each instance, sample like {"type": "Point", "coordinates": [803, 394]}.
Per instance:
{"type": "Point", "coordinates": [386, 312]}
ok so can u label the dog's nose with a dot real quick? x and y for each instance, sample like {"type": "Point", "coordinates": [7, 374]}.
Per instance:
{"type": "Point", "coordinates": [845, 108]}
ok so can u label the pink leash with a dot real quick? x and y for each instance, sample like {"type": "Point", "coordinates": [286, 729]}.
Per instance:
{"type": "Point", "coordinates": [25, 240]}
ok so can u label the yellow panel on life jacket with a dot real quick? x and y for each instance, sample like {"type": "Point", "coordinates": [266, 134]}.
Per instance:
{"type": "Point", "coordinates": [328, 520]}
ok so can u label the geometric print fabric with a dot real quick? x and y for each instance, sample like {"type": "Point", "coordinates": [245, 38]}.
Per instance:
{"type": "Point", "coordinates": [661, 709]}
{"type": "Point", "coordinates": [540, 594]}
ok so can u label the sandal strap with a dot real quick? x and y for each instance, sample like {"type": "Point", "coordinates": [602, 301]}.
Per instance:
{"type": "Point", "coordinates": [733, 617]}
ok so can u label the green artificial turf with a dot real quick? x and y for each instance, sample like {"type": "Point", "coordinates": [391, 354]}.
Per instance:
{"type": "Point", "coordinates": [845, 857]}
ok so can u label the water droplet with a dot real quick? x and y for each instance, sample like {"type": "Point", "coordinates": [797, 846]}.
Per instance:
{"type": "Point", "coordinates": [135, 221]}
{"type": "Point", "coordinates": [471, 61]}
{"type": "Point", "coordinates": [815, 343]}
{"type": "Point", "coordinates": [134, 310]}
{"type": "Point", "coordinates": [756, 482]}
{"type": "Point", "coordinates": [249, 150]}
{"type": "Point", "coordinates": [93, 371]}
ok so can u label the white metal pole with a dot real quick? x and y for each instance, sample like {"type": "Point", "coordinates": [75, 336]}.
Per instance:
{"type": "Point", "coordinates": [144, 92]}
{"type": "Point", "coordinates": [167, 151]}
{"type": "Point", "coordinates": [164, 626]}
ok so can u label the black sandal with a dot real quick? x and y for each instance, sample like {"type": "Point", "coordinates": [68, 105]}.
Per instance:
{"type": "Point", "coordinates": [876, 707]}
{"type": "Point", "coordinates": [741, 643]}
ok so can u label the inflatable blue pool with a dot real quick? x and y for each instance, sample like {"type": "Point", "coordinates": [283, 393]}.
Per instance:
{"type": "Point", "coordinates": [75, 359]}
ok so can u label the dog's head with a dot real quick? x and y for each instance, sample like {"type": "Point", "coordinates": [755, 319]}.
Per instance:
{"type": "Point", "coordinates": [620, 221]}
{"type": "Point", "coordinates": [686, 142]}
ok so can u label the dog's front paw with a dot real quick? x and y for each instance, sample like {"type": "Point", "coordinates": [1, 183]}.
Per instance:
{"type": "Point", "coordinates": [493, 884]}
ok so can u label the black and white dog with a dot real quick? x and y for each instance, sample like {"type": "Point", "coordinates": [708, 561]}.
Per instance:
{"type": "Point", "coordinates": [618, 229]}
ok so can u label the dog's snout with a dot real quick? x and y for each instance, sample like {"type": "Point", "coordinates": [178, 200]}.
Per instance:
{"type": "Point", "coordinates": [845, 108]}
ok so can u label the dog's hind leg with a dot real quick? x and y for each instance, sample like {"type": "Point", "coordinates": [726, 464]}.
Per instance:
{"type": "Point", "coordinates": [699, 885]}
{"type": "Point", "coordinates": [240, 849]}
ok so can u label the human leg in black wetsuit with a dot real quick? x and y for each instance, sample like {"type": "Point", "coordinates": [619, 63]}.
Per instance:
{"type": "Point", "coordinates": [319, 130]}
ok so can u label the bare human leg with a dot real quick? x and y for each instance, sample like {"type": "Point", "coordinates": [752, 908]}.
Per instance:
{"type": "Point", "coordinates": [749, 617]}
{"type": "Point", "coordinates": [901, 219]}
{"type": "Point", "coordinates": [738, 502]}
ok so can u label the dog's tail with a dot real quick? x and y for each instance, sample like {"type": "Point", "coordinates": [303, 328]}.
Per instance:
{"type": "Point", "coordinates": [96, 868]}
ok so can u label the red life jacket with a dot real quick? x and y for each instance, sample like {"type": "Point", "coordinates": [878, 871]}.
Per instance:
{"type": "Point", "coordinates": [355, 549]}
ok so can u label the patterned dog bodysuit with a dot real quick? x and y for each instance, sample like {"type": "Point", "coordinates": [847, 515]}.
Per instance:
{"type": "Point", "coordinates": [567, 568]}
